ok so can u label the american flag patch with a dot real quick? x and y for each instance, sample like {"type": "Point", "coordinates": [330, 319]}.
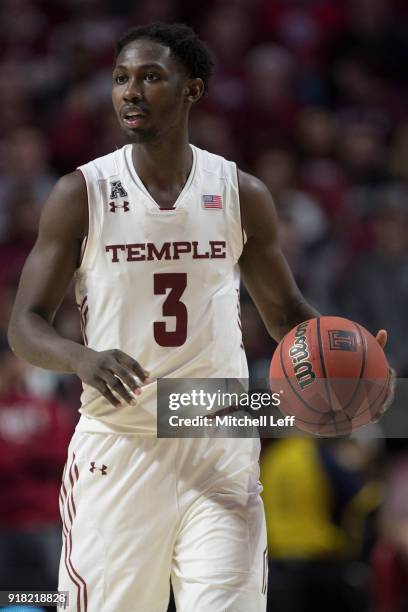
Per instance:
{"type": "Point", "coordinates": [211, 201]}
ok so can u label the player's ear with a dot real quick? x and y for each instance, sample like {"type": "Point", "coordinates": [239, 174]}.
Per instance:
{"type": "Point", "coordinates": [194, 90]}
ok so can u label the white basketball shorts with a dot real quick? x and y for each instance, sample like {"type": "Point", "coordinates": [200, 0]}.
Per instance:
{"type": "Point", "coordinates": [138, 511]}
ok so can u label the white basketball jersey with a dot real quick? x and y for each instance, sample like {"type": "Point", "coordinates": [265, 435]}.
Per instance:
{"type": "Point", "coordinates": [161, 285]}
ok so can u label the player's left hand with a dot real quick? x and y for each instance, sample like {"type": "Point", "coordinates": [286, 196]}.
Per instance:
{"type": "Point", "coordinates": [381, 338]}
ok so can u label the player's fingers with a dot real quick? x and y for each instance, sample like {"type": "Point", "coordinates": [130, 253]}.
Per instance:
{"type": "Point", "coordinates": [381, 338]}
{"type": "Point", "coordinates": [116, 385]}
{"type": "Point", "coordinates": [104, 390]}
{"type": "Point", "coordinates": [126, 377]}
{"type": "Point", "coordinates": [133, 365]}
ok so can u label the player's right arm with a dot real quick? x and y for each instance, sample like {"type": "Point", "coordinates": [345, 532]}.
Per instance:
{"type": "Point", "coordinates": [45, 278]}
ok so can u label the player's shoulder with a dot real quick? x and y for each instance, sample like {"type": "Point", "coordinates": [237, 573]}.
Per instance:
{"type": "Point", "coordinates": [65, 212]}
{"type": "Point", "coordinates": [107, 165]}
{"type": "Point", "coordinates": [252, 187]}
{"type": "Point", "coordinates": [258, 211]}
{"type": "Point", "coordinates": [211, 163]}
{"type": "Point", "coordinates": [71, 185]}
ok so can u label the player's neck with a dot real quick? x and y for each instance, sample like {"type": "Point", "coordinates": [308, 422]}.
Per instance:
{"type": "Point", "coordinates": [163, 164]}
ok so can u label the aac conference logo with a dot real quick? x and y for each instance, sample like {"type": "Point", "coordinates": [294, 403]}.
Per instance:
{"type": "Point", "coordinates": [118, 191]}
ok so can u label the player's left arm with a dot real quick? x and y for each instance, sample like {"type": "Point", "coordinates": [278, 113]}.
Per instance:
{"type": "Point", "coordinates": [265, 271]}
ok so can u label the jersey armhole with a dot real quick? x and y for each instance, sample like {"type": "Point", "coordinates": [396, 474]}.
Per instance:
{"type": "Point", "coordinates": [84, 243]}
{"type": "Point", "coordinates": [94, 180]}
{"type": "Point", "coordinates": [243, 233]}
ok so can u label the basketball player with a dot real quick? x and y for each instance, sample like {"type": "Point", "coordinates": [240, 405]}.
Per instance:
{"type": "Point", "coordinates": [156, 234]}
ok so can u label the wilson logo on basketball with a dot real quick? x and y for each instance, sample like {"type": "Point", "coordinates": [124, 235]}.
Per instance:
{"type": "Point", "coordinates": [299, 354]}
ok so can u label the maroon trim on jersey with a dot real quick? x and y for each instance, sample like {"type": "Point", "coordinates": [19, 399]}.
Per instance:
{"type": "Point", "coordinates": [89, 217]}
{"type": "Point", "coordinates": [63, 496]}
{"type": "Point", "coordinates": [240, 212]}
{"type": "Point", "coordinates": [68, 499]}
{"type": "Point", "coordinates": [83, 313]}
{"type": "Point", "coordinates": [81, 307]}
{"type": "Point", "coordinates": [239, 318]}
{"type": "Point", "coordinates": [85, 322]}
{"type": "Point", "coordinates": [265, 571]}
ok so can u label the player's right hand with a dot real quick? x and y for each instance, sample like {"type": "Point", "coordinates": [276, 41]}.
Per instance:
{"type": "Point", "coordinates": [109, 372]}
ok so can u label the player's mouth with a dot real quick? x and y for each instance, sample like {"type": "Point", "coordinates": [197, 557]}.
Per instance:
{"type": "Point", "coordinates": [133, 119]}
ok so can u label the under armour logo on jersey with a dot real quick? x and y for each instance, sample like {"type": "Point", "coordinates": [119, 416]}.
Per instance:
{"type": "Point", "coordinates": [117, 190]}
{"type": "Point", "coordinates": [113, 206]}
{"type": "Point", "coordinates": [103, 470]}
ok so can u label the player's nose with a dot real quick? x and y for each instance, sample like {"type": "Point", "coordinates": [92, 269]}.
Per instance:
{"type": "Point", "coordinates": [133, 91]}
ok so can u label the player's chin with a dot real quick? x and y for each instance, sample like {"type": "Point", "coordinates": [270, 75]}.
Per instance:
{"type": "Point", "coordinates": [139, 134]}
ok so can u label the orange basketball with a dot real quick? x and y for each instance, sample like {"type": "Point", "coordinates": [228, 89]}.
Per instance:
{"type": "Point", "coordinates": [332, 374]}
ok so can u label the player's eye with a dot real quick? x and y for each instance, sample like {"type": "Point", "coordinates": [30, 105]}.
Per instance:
{"type": "Point", "coordinates": [120, 79]}
{"type": "Point", "coordinates": [151, 77]}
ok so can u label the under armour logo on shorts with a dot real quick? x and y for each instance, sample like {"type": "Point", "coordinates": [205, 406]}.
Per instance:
{"type": "Point", "coordinates": [103, 470]}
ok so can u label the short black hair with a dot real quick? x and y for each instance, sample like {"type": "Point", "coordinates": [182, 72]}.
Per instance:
{"type": "Point", "coordinates": [183, 42]}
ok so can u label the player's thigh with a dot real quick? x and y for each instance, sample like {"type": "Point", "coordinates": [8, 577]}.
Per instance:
{"type": "Point", "coordinates": [220, 560]}
{"type": "Point", "coordinates": [118, 535]}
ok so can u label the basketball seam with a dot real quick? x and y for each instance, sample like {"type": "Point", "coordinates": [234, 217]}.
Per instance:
{"type": "Point", "coordinates": [372, 405]}
{"type": "Point", "coordinates": [363, 364]}
{"type": "Point", "coordinates": [312, 424]}
{"type": "Point", "coordinates": [384, 388]}
{"type": "Point", "coordinates": [342, 423]}
{"type": "Point", "coordinates": [322, 363]}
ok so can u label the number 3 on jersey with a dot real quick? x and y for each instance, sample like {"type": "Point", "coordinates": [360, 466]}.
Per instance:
{"type": "Point", "coordinates": [172, 307]}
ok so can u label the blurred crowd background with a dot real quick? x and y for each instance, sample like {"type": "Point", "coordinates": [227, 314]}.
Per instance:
{"type": "Point", "coordinates": [312, 97]}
